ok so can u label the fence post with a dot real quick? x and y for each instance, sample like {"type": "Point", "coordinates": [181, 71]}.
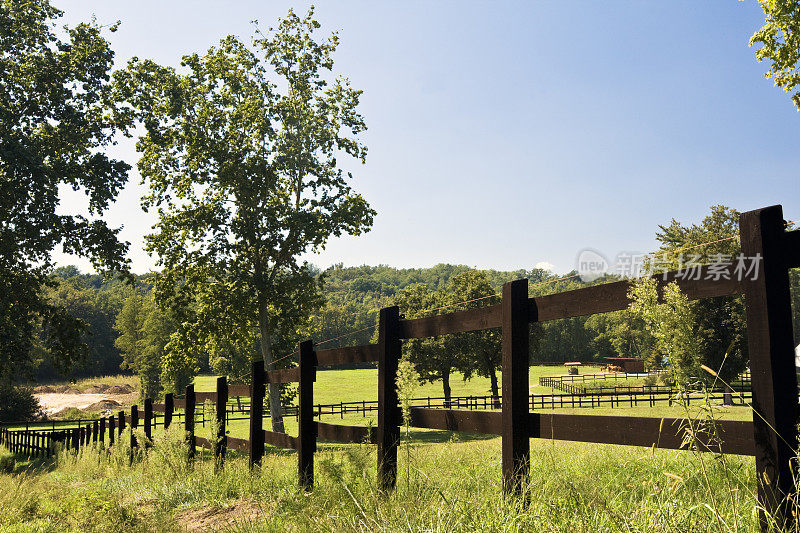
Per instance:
{"type": "Point", "coordinates": [516, 433]}
{"type": "Point", "coordinates": [257, 392]}
{"type": "Point", "coordinates": [772, 361]}
{"type": "Point", "coordinates": [169, 408]}
{"type": "Point", "coordinates": [222, 404]}
{"type": "Point", "coordinates": [111, 430]}
{"type": "Point", "coordinates": [188, 419]}
{"type": "Point", "coordinates": [390, 347]}
{"type": "Point", "coordinates": [148, 421]}
{"type": "Point", "coordinates": [134, 425]}
{"type": "Point", "coordinates": [101, 433]}
{"type": "Point", "coordinates": [95, 431]}
{"type": "Point", "coordinates": [120, 425]}
{"type": "Point", "coordinates": [307, 444]}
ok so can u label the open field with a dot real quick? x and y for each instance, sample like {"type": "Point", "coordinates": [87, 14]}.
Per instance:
{"type": "Point", "coordinates": [451, 483]}
{"type": "Point", "coordinates": [333, 386]}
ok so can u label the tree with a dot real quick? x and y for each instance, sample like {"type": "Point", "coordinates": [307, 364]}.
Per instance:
{"type": "Point", "coordinates": [241, 154]}
{"type": "Point", "coordinates": [780, 43]}
{"type": "Point", "coordinates": [673, 325]}
{"type": "Point", "coordinates": [437, 357]}
{"type": "Point", "coordinates": [482, 349]}
{"type": "Point", "coordinates": [720, 323]}
{"type": "Point", "coordinates": [57, 114]}
{"type": "Point", "coordinates": [143, 333]}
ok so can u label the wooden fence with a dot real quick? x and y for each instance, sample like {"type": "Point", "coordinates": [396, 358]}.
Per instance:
{"type": "Point", "coordinates": [771, 436]}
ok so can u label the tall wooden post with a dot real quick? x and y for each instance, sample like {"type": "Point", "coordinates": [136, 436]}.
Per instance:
{"type": "Point", "coordinates": [188, 419]}
{"type": "Point", "coordinates": [102, 430]}
{"type": "Point", "coordinates": [169, 408]}
{"type": "Point", "coordinates": [307, 438]}
{"type": "Point", "coordinates": [148, 421]}
{"type": "Point", "coordinates": [772, 361]}
{"type": "Point", "coordinates": [222, 404]}
{"type": "Point", "coordinates": [120, 425]}
{"type": "Point", "coordinates": [95, 431]}
{"type": "Point", "coordinates": [257, 391]}
{"type": "Point", "coordinates": [134, 425]}
{"type": "Point", "coordinates": [111, 429]}
{"type": "Point", "coordinates": [516, 436]}
{"type": "Point", "coordinates": [389, 415]}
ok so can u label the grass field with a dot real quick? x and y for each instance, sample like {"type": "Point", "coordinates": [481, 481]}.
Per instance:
{"type": "Point", "coordinates": [447, 483]}
{"type": "Point", "coordinates": [334, 386]}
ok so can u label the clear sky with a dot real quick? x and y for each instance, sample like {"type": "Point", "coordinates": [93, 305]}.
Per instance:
{"type": "Point", "coordinates": [510, 134]}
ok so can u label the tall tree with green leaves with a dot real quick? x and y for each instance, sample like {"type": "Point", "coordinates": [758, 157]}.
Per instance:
{"type": "Point", "coordinates": [242, 154]}
{"type": "Point", "coordinates": [671, 320]}
{"type": "Point", "coordinates": [57, 116]}
{"type": "Point", "coordinates": [434, 358]}
{"type": "Point", "coordinates": [720, 322]}
{"type": "Point", "coordinates": [144, 331]}
{"type": "Point", "coordinates": [780, 44]}
{"type": "Point", "coordinates": [481, 349]}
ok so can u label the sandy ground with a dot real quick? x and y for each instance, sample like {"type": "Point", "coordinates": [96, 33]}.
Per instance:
{"type": "Point", "coordinates": [54, 402]}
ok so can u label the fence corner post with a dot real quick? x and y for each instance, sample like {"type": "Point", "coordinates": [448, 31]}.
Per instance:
{"type": "Point", "coordinates": [188, 419]}
{"type": "Point", "coordinates": [772, 361]}
{"type": "Point", "coordinates": [516, 437]}
{"type": "Point", "coordinates": [390, 348]}
{"type": "Point", "coordinates": [257, 392]}
{"type": "Point", "coordinates": [307, 439]}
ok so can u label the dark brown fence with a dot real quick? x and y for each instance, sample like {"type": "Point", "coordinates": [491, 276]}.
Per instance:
{"type": "Point", "coordinates": [771, 437]}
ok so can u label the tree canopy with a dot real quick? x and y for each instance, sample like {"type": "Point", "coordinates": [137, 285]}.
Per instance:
{"type": "Point", "coordinates": [242, 154]}
{"type": "Point", "coordinates": [58, 115]}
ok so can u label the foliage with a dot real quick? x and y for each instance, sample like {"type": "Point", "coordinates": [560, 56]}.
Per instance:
{"type": "Point", "coordinates": [720, 323]}
{"type": "Point", "coordinates": [18, 404]}
{"type": "Point", "coordinates": [57, 115]}
{"type": "Point", "coordinates": [433, 358]}
{"type": "Point", "coordinates": [245, 175]}
{"type": "Point", "coordinates": [144, 332]}
{"type": "Point", "coordinates": [780, 44]}
{"type": "Point", "coordinates": [673, 327]}
{"type": "Point", "coordinates": [482, 349]}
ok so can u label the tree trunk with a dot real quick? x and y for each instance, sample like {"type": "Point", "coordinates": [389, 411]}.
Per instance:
{"type": "Point", "coordinates": [274, 389]}
{"type": "Point", "coordinates": [495, 391]}
{"type": "Point", "coordinates": [446, 387]}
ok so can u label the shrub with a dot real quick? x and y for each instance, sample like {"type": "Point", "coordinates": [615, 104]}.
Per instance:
{"type": "Point", "coordinates": [18, 404]}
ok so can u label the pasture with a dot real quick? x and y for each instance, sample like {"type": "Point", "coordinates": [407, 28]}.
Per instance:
{"type": "Point", "coordinates": [446, 482]}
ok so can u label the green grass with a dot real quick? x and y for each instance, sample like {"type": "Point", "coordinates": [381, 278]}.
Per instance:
{"type": "Point", "coordinates": [334, 386]}
{"type": "Point", "coordinates": [447, 482]}
{"type": "Point", "coordinates": [451, 483]}
{"type": "Point", "coordinates": [85, 383]}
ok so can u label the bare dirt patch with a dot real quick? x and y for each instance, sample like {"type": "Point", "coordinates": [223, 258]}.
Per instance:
{"type": "Point", "coordinates": [208, 518]}
{"type": "Point", "coordinates": [54, 402]}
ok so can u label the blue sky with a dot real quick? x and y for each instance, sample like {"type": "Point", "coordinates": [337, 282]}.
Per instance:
{"type": "Point", "coordinates": [510, 134]}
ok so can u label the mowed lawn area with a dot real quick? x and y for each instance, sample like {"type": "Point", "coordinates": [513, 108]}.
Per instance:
{"type": "Point", "coordinates": [334, 386]}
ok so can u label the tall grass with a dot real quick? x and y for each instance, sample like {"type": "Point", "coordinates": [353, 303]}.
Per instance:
{"type": "Point", "coordinates": [454, 486]}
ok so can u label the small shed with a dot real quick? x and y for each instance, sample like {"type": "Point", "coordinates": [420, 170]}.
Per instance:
{"type": "Point", "coordinates": [631, 365]}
